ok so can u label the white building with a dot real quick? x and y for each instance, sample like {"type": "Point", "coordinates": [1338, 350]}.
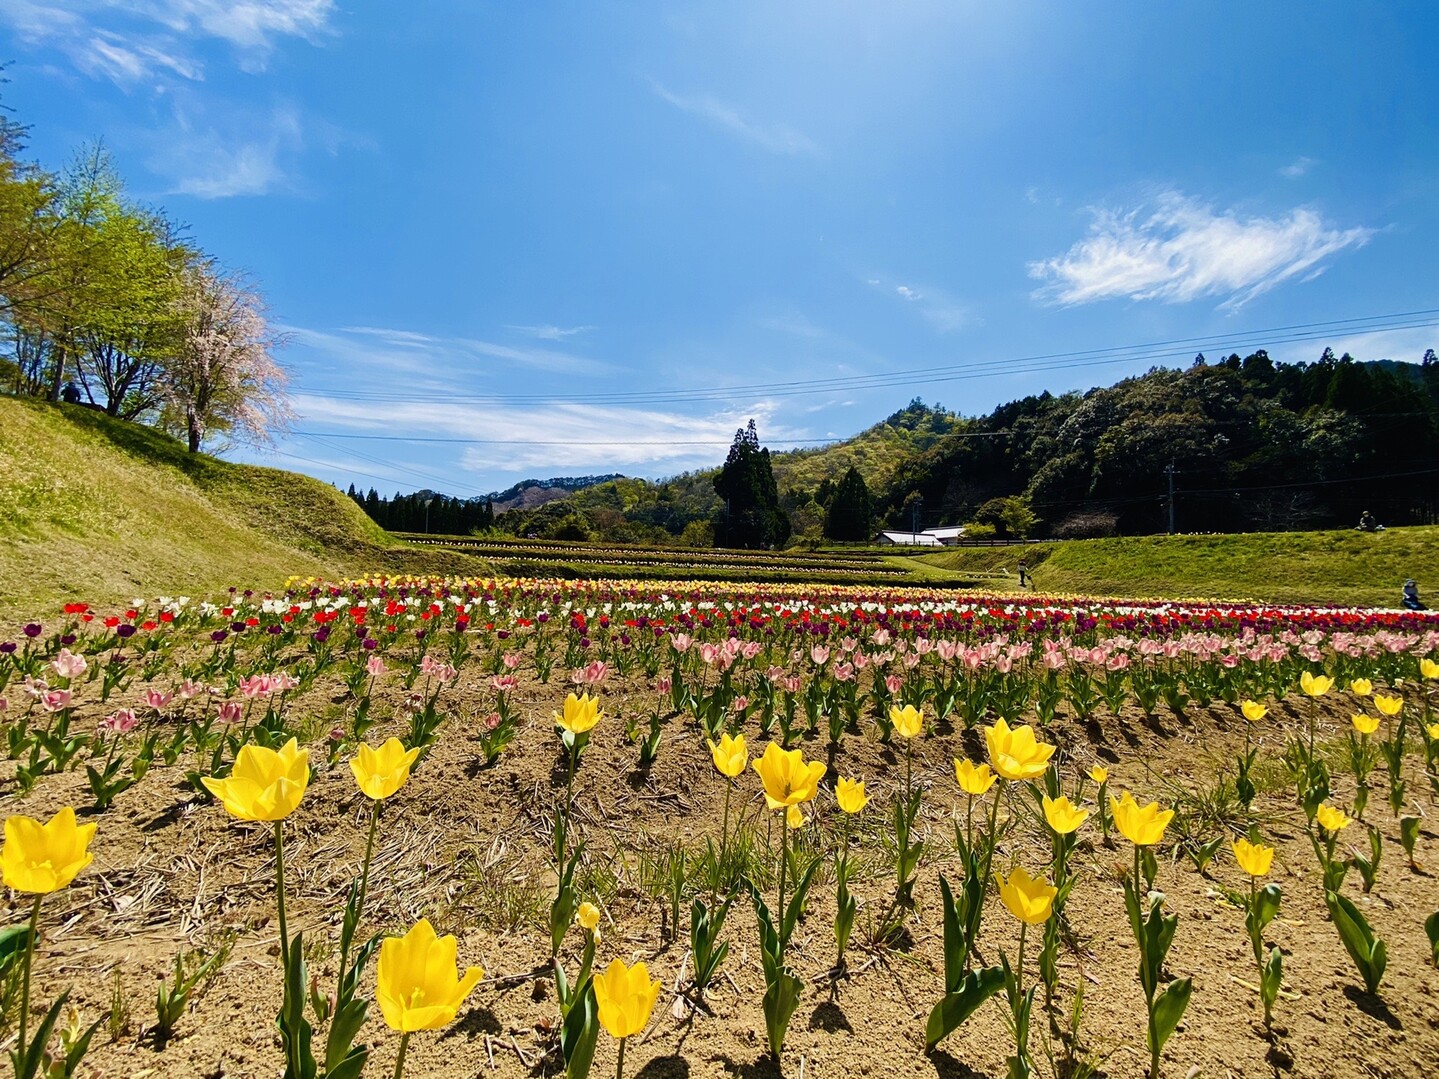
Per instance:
{"type": "Point", "coordinates": [907, 539]}
{"type": "Point", "coordinates": [949, 535]}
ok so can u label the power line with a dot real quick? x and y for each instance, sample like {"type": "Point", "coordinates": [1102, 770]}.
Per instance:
{"type": "Point", "coordinates": [591, 442]}
{"type": "Point", "coordinates": [1152, 351]}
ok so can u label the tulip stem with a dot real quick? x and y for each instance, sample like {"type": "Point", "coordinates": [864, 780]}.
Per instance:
{"type": "Point", "coordinates": [29, 957]}
{"type": "Point", "coordinates": [783, 865]}
{"type": "Point", "coordinates": [724, 839]}
{"type": "Point", "coordinates": [364, 887]}
{"type": "Point", "coordinates": [280, 893]}
{"type": "Point", "coordinates": [620, 1067]}
{"type": "Point", "coordinates": [400, 1060]}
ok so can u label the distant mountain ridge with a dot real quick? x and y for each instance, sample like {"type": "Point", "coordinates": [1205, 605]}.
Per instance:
{"type": "Point", "coordinates": [528, 494]}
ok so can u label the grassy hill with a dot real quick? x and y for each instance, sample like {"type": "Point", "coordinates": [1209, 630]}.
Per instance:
{"type": "Point", "coordinates": [96, 509]}
{"type": "Point", "coordinates": [1344, 567]}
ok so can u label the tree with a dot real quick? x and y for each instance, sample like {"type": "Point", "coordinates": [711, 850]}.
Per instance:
{"type": "Point", "coordinates": [224, 377]}
{"type": "Point", "coordinates": [851, 509]}
{"type": "Point", "coordinates": [752, 517]}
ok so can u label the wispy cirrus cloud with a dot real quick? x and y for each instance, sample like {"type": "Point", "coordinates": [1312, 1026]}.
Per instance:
{"type": "Point", "coordinates": [446, 359]}
{"type": "Point", "coordinates": [239, 154]}
{"type": "Point", "coordinates": [936, 306]}
{"type": "Point", "coordinates": [132, 42]}
{"type": "Point", "coordinates": [1179, 249]}
{"type": "Point", "coordinates": [1297, 168]}
{"type": "Point", "coordinates": [553, 437]}
{"type": "Point", "coordinates": [549, 333]}
{"type": "Point", "coordinates": [774, 137]}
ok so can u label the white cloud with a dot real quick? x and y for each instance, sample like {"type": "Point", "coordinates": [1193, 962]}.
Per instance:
{"type": "Point", "coordinates": [1179, 249]}
{"type": "Point", "coordinates": [390, 351]}
{"type": "Point", "coordinates": [240, 155]}
{"type": "Point", "coordinates": [942, 311]}
{"type": "Point", "coordinates": [549, 333]}
{"type": "Point", "coordinates": [776, 138]}
{"type": "Point", "coordinates": [1297, 168]}
{"type": "Point", "coordinates": [131, 42]}
{"type": "Point", "coordinates": [550, 438]}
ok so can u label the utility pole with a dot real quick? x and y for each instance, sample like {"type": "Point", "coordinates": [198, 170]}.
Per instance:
{"type": "Point", "coordinates": [914, 518]}
{"type": "Point", "coordinates": [1169, 472]}
{"type": "Point", "coordinates": [429, 500]}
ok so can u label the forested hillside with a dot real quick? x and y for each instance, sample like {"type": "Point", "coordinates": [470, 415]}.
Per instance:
{"type": "Point", "coordinates": [1254, 446]}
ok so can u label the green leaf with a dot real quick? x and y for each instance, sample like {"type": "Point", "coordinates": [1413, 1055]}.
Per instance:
{"type": "Point", "coordinates": [1431, 927]}
{"type": "Point", "coordinates": [973, 990]}
{"type": "Point", "coordinates": [29, 1058]}
{"type": "Point", "coordinates": [1168, 1008]}
{"type": "Point", "coordinates": [579, 1033]}
{"type": "Point", "coordinates": [1368, 951]}
{"type": "Point", "coordinates": [780, 1000]}
{"type": "Point", "coordinates": [1266, 904]}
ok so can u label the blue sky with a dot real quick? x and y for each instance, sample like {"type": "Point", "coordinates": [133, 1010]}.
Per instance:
{"type": "Point", "coordinates": [600, 236]}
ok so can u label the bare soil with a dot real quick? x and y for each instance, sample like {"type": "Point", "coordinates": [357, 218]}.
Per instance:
{"type": "Point", "coordinates": [469, 847]}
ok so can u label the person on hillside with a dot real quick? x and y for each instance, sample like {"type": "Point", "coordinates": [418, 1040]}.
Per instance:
{"type": "Point", "coordinates": [70, 394]}
{"type": "Point", "coordinates": [1368, 523]}
{"type": "Point", "coordinates": [1411, 602]}
{"type": "Point", "coordinates": [1024, 578]}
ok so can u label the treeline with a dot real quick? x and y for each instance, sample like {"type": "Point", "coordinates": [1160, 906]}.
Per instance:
{"type": "Point", "coordinates": [1255, 445]}
{"type": "Point", "coordinates": [108, 303]}
{"type": "Point", "coordinates": [426, 511]}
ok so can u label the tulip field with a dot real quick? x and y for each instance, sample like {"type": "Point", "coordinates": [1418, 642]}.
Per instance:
{"type": "Point", "coordinates": [428, 827]}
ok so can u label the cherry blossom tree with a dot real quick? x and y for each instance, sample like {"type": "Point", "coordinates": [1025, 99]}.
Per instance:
{"type": "Point", "coordinates": [224, 378]}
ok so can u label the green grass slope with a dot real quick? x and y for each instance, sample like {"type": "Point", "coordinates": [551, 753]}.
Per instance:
{"type": "Point", "coordinates": [95, 509]}
{"type": "Point", "coordinates": [1343, 567]}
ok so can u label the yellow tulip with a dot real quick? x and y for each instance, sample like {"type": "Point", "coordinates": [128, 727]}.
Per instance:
{"type": "Point", "coordinates": [1432, 731]}
{"type": "Point", "coordinates": [1099, 774]}
{"type": "Point", "coordinates": [1062, 816]}
{"type": "Point", "coordinates": [43, 858]}
{"type": "Point", "coordinates": [1253, 711]}
{"type": "Point", "coordinates": [1031, 900]}
{"type": "Point", "coordinates": [1390, 706]}
{"type": "Point", "coordinates": [974, 779]}
{"type": "Point", "coordinates": [265, 784]}
{"type": "Point", "coordinates": [1365, 724]}
{"type": "Point", "coordinates": [1331, 818]}
{"type": "Point", "coordinates": [1362, 686]}
{"type": "Point", "coordinates": [580, 714]}
{"type": "Point", "coordinates": [849, 793]}
{"type": "Point", "coordinates": [1141, 825]}
{"type": "Point", "coordinates": [730, 755]}
{"type": "Point", "coordinates": [625, 997]}
{"type": "Point", "coordinates": [1428, 668]}
{"type": "Point", "coordinates": [908, 721]}
{"type": "Point", "coordinates": [588, 917]}
{"type": "Point", "coordinates": [793, 817]}
{"type": "Point", "coordinates": [1015, 753]}
{"type": "Point", "coordinates": [417, 983]}
{"type": "Point", "coordinates": [1316, 685]}
{"type": "Point", "coordinates": [1254, 858]}
{"type": "Point", "coordinates": [381, 772]}
{"type": "Point", "coordinates": [788, 779]}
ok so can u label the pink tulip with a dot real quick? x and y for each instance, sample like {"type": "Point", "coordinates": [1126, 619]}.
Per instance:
{"type": "Point", "coordinates": [504, 683]}
{"type": "Point", "coordinates": [681, 642]}
{"type": "Point", "coordinates": [158, 699]}
{"type": "Point", "coordinates": [893, 682]}
{"type": "Point", "coordinates": [374, 666]}
{"type": "Point", "coordinates": [511, 660]}
{"type": "Point", "coordinates": [663, 683]}
{"type": "Point", "coordinates": [819, 653]}
{"type": "Point", "coordinates": [55, 700]}
{"type": "Point", "coordinates": [231, 712]}
{"type": "Point", "coordinates": [120, 721]}
{"type": "Point", "coordinates": [190, 689]}
{"type": "Point", "coordinates": [68, 665]}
